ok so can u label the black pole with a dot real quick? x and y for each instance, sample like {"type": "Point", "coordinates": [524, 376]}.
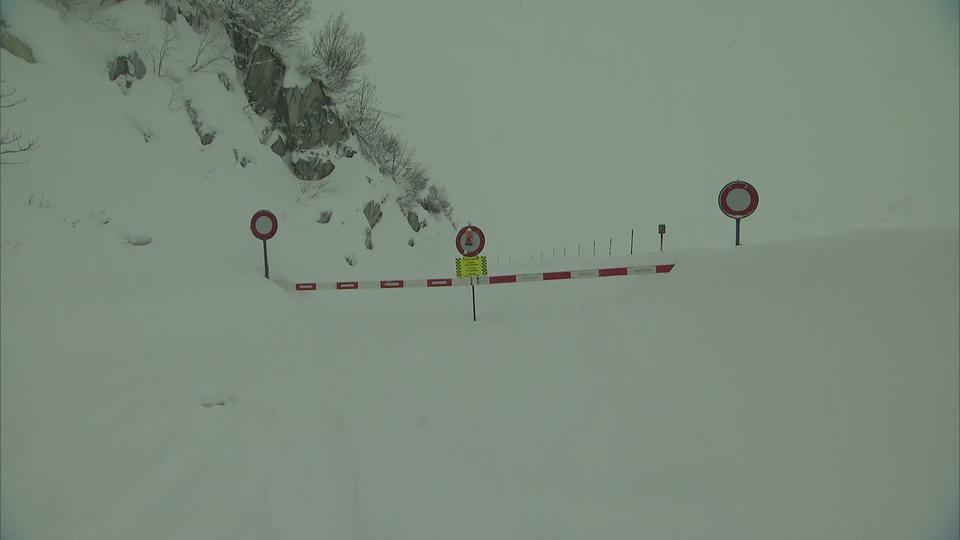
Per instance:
{"type": "Point", "coordinates": [610, 253]}
{"type": "Point", "coordinates": [266, 265]}
{"type": "Point", "coordinates": [631, 241]}
{"type": "Point", "coordinates": [594, 247]}
{"type": "Point", "coordinates": [473, 296]}
{"type": "Point", "coordinates": [738, 233]}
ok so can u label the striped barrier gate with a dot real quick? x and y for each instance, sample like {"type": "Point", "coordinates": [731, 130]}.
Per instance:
{"type": "Point", "coordinates": [485, 280]}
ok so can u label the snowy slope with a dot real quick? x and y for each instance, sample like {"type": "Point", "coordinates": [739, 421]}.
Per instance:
{"type": "Point", "coordinates": [794, 390]}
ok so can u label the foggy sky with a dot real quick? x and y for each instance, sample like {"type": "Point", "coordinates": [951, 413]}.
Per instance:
{"type": "Point", "coordinates": [556, 122]}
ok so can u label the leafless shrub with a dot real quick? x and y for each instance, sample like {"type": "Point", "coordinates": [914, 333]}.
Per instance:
{"type": "Point", "coordinates": [366, 118]}
{"type": "Point", "coordinates": [212, 50]}
{"type": "Point", "coordinates": [13, 142]}
{"type": "Point", "coordinates": [436, 201]}
{"type": "Point", "coordinates": [161, 52]}
{"type": "Point", "coordinates": [339, 51]}
{"type": "Point", "coordinates": [272, 21]}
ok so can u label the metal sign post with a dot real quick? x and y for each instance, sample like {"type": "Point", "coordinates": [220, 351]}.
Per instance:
{"type": "Point", "coordinates": [263, 224]}
{"type": "Point", "coordinates": [470, 241]}
{"type": "Point", "coordinates": [662, 228]}
{"type": "Point", "coordinates": [738, 200]}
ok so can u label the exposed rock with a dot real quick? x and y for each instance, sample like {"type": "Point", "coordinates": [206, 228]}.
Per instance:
{"type": "Point", "coordinates": [325, 216]}
{"type": "Point", "coordinates": [138, 240]}
{"type": "Point", "coordinates": [16, 47]}
{"type": "Point", "coordinates": [345, 151]}
{"type": "Point", "coordinates": [225, 80]}
{"type": "Point", "coordinates": [411, 243]}
{"type": "Point", "coordinates": [168, 13]}
{"type": "Point", "coordinates": [414, 220]}
{"type": "Point", "coordinates": [206, 135]}
{"type": "Point", "coordinates": [312, 169]}
{"type": "Point", "coordinates": [279, 147]}
{"type": "Point", "coordinates": [263, 80]}
{"type": "Point", "coordinates": [351, 260]}
{"type": "Point", "coordinates": [243, 43]}
{"type": "Point", "coordinates": [372, 211]}
{"type": "Point", "coordinates": [332, 129]}
{"type": "Point", "coordinates": [305, 114]}
{"type": "Point", "coordinates": [368, 238]}
{"type": "Point", "coordinates": [127, 65]}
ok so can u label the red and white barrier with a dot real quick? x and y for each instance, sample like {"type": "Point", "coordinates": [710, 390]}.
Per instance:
{"type": "Point", "coordinates": [485, 280]}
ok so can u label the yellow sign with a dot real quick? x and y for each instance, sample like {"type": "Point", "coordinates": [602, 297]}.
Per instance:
{"type": "Point", "coordinates": [471, 266]}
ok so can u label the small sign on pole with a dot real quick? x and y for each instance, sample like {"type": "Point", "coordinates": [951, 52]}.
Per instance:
{"type": "Point", "coordinates": [263, 224]}
{"type": "Point", "coordinates": [738, 200]}
{"type": "Point", "coordinates": [470, 241]}
{"type": "Point", "coordinates": [471, 266]}
{"type": "Point", "coordinates": [663, 230]}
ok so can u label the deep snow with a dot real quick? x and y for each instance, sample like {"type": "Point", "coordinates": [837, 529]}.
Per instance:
{"type": "Point", "coordinates": [808, 389]}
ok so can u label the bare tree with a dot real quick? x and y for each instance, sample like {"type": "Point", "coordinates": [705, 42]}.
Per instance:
{"type": "Point", "coordinates": [340, 52]}
{"type": "Point", "coordinates": [366, 118]}
{"type": "Point", "coordinates": [160, 53]}
{"type": "Point", "coordinates": [13, 142]}
{"type": "Point", "coordinates": [273, 21]}
{"type": "Point", "coordinates": [208, 52]}
{"type": "Point", "coordinates": [413, 180]}
{"type": "Point", "coordinates": [394, 156]}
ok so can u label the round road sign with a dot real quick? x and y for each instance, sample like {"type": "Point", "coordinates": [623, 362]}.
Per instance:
{"type": "Point", "coordinates": [738, 199]}
{"type": "Point", "coordinates": [263, 224]}
{"type": "Point", "coordinates": [470, 241]}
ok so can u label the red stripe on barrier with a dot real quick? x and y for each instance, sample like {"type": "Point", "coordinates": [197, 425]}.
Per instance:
{"type": "Point", "coordinates": [503, 279]}
{"type": "Point", "coordinates": [439, 283]}
{"type": "Point", "coordinates": [306, 286]}
{"type": "Point", "coordinates": [547, 276]}
{"type": "Point", "coordinates": [604, 272]}
{"type": "Point", "coordinates": [391, 284]}
{"type": "Point", "coordinates": [664, 268]}
{"type": "Point", "coordinates": [348, 285]}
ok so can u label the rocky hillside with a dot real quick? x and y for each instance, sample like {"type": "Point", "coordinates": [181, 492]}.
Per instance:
{"type": "Point", "coordinates": [242, 95]}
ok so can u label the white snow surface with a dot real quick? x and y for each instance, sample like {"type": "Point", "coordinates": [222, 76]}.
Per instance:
{"type": "Point", "coordinates": [805, 389]}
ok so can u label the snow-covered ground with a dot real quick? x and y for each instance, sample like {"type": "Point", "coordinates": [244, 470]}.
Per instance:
{"type": "Point", "coordinates": [808, 389]}
{"type": "Point", "coordinates": [799, 391]}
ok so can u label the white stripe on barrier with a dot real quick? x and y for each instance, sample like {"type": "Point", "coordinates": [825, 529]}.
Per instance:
{"type": "Point", "coordinates": [484, 280]}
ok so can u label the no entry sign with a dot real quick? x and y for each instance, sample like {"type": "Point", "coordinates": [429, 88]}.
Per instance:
{"type": "Point", "coordinates": [738, 199]}
{"type": "Point", "coordinates": [263, 224]}
{"type": "Point", "coordinates": [470, 241]}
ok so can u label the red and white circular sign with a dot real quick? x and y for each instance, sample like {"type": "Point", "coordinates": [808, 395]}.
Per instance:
{"type": "Point", "coordinates": [263, 224]}
{"type": "Point", "coordinates": [470, 241]}
{"type": "Point", "coordinates": [738, 199]}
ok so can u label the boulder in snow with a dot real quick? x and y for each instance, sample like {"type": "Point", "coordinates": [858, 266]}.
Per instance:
{"type": "Point", "coordinates": [306, 168]}
{"type": "Point", "coordinates": [16, 47]}
{"type": "Point", "coordinates": [372, 211]}
{"type": "Point", "coordinates": [127, 65]}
